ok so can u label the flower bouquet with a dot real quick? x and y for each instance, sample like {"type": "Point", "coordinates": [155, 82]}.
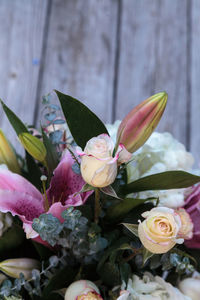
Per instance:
{"type": "Point", "coordinates": [96, 211]}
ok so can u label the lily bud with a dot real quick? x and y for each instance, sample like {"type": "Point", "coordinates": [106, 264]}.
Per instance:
{"type": "Point", "coordinates": [13, 267]}
{"type": "Point", "coordinates": [33, 146]}
{"type": "Point", "coordinates": [139, 124]}
{"type": "Point", "coordinates": [7, 155]}
{"type": "Point", "coordinates": [83, 290]}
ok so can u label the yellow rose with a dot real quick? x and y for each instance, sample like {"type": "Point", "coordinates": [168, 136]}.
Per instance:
{"type": "Point", "coordinates": [98, 166]}
{"type": "Point", "coordinates": [186, 230]}
{"type": "Point", "coordinates": [159, 231]}
{"type": "Point", "coordinates": [83, 290]}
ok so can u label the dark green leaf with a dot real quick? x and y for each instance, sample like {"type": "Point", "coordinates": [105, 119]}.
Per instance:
{"type": "Point", "coordinates": [82, 122]}
{"type": "Point", "coordinates": [16, 123]}
{"type": "Point", "coordinates": [34, 172]}
{"type": "Point", "coordinates": [119, 210]}
{"type": "Point", "coordinates": [52, 158]}
{"type": "Point", "coordinates": [12, 238]}
{"type": "Point", "coordinates": [132, 227]}
{"type": "Point", "coordinates": [62, 279]}
{"type": "Point", "coordinates": [146, 255]}
{"type": "Point", "coordinates": [125, 271]}
{"type": "Point", "coordinates": [162, 181]}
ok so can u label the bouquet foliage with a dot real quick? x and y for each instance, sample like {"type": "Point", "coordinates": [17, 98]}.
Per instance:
{"type": "Point", "coordinates": [95, 211]}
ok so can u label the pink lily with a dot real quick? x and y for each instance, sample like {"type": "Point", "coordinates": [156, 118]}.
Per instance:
{"type": "Point", "coordinates": [19, 197]}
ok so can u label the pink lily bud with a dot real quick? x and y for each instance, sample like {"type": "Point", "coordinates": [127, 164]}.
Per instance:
{"type": "Point", "coordinates": [139, 124]}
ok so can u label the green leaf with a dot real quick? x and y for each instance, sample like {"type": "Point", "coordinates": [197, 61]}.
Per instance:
{"type": "Point", "coordinates": [162, 181]}
{"type": "Point", "coordinates": [119, 210]}
{"type": "Point", "coordinates": [12, 238]}
{"type": "Point", "coordinates": [52, 158]}
{"type": "Point", "coordinates": [16, 123]}
{"type": "Point", "coordinates": [125, 272]}
{"type": "Point", "coordinates": [34, 172]}
{"type": "Point", "coordinates": [62, 279]}
{"type": "Point", "coordinates": [108, 190]}
{"type": "Point", "coordinates": [82, 122]}
{"type": "Point", "coordinates": [146, 255]}
{"type": "Point", "coordinates": [132, 227]}
{"type": "Point", "coordinates": [120, 244]}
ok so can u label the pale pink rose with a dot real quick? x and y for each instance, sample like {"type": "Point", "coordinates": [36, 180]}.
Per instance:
{"type": "Point", "coordinates": [98, 166]}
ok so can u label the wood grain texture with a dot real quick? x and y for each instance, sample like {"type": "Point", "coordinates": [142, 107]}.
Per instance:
{"type": "Point", "coordinates": [153, 57]}
{"type": "Point", "coordinates": [194, 100]}
{"type": "Point", "coordinates": [137, 54]}
{"type": "Point", "coordinates": [80, 52]}
{"type": "Point", "coordinates": [171, 65]}
{"type": "Point", "coordinates": [21, 38]}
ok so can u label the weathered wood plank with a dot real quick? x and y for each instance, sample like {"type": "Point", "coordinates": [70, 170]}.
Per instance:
{"type": "Point", "coordinates": [21, 38]}
{"type": "Point", "coordinates": [80, 52]}
{"type": "Point", "coordinates": [153, 57]}
{"type": "Point", "coordinates": [195, 81]}
{"type": "Point", "coordinates": [137, 61]}
{"type": "Point", "coordinates": [171, 65]}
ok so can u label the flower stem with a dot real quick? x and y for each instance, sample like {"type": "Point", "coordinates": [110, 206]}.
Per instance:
{"type": "Point", "coordinates": [97, 207]}
{"type": "Point", "coordinates": [132, 255]}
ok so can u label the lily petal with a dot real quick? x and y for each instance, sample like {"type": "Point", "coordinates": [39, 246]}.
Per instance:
{"type": "Point", "coordinates": [21, 204]}
{"type": "Point", "coordinates": [65, 183]}
{"type": "Point", "coordinates": [14, 182]}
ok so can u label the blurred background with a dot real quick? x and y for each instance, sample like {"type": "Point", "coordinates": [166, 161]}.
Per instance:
{"type": "Point", "coordinates": [111, 54]}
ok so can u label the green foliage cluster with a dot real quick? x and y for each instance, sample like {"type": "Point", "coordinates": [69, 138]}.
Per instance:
{"type": "Point", "coordinates": [103, 251]}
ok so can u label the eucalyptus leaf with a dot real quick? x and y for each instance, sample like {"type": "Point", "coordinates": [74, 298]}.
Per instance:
{"type": "Point", "coordinates": [162, 181]}
{"type": "Point", "coordinates": [82, 122]}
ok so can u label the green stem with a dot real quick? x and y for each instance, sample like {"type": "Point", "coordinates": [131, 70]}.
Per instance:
{"type": "Point", "coordinates": [97, 207]}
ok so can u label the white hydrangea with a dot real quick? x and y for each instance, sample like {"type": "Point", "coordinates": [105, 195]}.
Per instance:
{"type": "Point", "coordinates": [161, 153]}
{"type": "Point", "coordinates": [150, 288]}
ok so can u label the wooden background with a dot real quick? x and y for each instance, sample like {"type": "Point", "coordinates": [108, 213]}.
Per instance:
{"type": "Point", "coordinates": [111, 54]}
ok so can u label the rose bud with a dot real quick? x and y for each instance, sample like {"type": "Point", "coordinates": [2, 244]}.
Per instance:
{"type": "Point", "coordinates": [139, 124]}
{"type": "Point", "coordinates": [190, 288]}
{"type": "Point", "coordinates": [159, 231]}
{"type": "Point", "coordinates": [186, 230]}
{"type": "Point", "coordinates": [83, 290]}
{"type": "Point", "coordinates": [7, 155]}
{"type": "Point", "coordinates": [13, 267]}
{"type": "Point", "coordinates": [98, 166]}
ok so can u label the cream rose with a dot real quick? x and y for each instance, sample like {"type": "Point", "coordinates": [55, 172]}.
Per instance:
{"type": "Point", "coordinates": [186, 230]}
{"type": "Point", "coordinates": [83, 290]}
{"type": "Point", "coordinates": [159, 231]}
{"type": "Point", "coordinates": [98, 166]}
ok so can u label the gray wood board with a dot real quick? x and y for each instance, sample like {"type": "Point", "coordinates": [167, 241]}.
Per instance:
{"type": "Point", "coordinates": [80, 53]}
{"type": "Point", "coordinates": [194, 99]}
{"type": "Point", "coordinates": [21, 38]}
{"type": "Point", "coordinates": [153, 57]}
